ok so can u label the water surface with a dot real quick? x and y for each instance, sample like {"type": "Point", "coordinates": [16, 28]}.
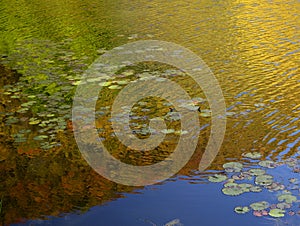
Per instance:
{"type": "Point", "coordinates": [252, 49]}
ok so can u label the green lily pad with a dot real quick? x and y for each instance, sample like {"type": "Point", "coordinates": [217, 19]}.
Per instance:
{"type": "Point", "coordinates": [122, 82]}
{"type": "Point", "coordinates": [173, 116]}
{"type": "Point", "coordinates": [245, 187]}
{"type": "Point", "coordinates": [168, 131]}
{"type": "Point", "coordinates": [104, 84]}
{"type": "Point", "coordinates": [260, 205]}
{"type": "Point", "coordinates": [115, 87]}
{"type": "Point", "coordinates": [241, 209]}
{"type": "Point", "coordinates": [233, 167]}
{"type": "Point", "coordinates": [256, 172]}
{"type": "Point", "coordinates": [128, 73]}
{"type": "Point", "coordinates": [283, 205]}
{"type": "Point", "coordinates": [253, 155]}
{"type": "Point", "coordinates": [217, 178]}
{"type": "Point", "coordinates": [233, 189]}
{"type": "Point", "coordinates": [267, 164]}
{"type": "Point", "coordinates": [12, 120]}
{"type": "Point", "coordinates": [288, 198]}
{"type": "Point", "coordinates": [291, 162]}
{"type": "Point", "coordinates": [40, 137]}
{"type": "Point", "coordinates": [294, 180]}
{"type": "Point", "coordinates": [275, 186]}
{"type": "Point", "coordinates": [264, 180]}
{"type": "Point", "coordinates": [277, 213]}
{"type": "Point", "coordinates": [205, 114]}
{"type": "Point", "coordinates": [23, 110]}
{"type": "Point", "coordinates": [255, 189]}
{"type": "Point", "coordinates": [34, 122]}
{"type": "Point", "coordinates": [181, 132]}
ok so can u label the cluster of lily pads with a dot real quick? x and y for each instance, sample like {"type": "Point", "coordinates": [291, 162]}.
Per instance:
{"type": "Point", "coordinates": [238, 180]}
{"type": "Point", "coordinates": [48, 82]}
{"type": "Point", "coordinates": [49, 72]}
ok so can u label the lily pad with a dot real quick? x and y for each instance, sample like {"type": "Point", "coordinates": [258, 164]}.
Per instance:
{"type": "Point", "coordinates": [275, 186]}
{"type": "Point", "coordinates": [12, 120]}
{"type": "Point", "coordinates": [104, 84]}
{"type": "Point", "coordinates": [277, 213]}
{"type": "Point", "coordinates": [217, 178]}
{"type": "Point", "coordinates": [34, 121]}
{"type": "Point", "coordinates": [115, 87]}
{"type": "Point", "coordinates": [245, 187]}
{"type": "Point", "coordinates": [287, 198]}
{"type": "Point", "coordinates": [267, 164]}
{"type": "Point", "coordinates": [291, 162]}
{"type": "Point", "coordinates": [255, 189]}
{"type": "Point", "coordinates": [122, 82]}
{"type": "Point", "coordinates": [256, 172]}
{"type": "Point", "coordinates": [181, 132]}
{"type": "Point", "coordinates": [233, 167]}
{"type": "Point", "coordinates": [264, 180]}
{"type": "Point", "coordinates": [233, 189]}
{"type": "Point", "coordinates": [283, 205]}
{"type": "Point", "coordinates": [241, 209]}
{"type": "Point", "coordinates": [40, 137]}
{"type": "Point", "coordinates": [253, 155]}
{"type": "Point", "coordinates": [260, 205]}
{"type": "Point", "coordinates": [205, 114]}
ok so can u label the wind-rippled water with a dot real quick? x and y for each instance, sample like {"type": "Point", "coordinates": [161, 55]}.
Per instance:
{"type": "Point", "coordinates": [253, 49]}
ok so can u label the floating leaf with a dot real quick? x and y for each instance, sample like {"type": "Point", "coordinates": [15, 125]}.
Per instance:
{"type": "Point", "coordinates": [260, 205]}
{"type": "Point", "coordinates": [288, 198]}
{"type": "Point", "coordinates": [181, 132]}
{"type": "Point", "coordinates": [230, 184]}
{"type": "Point", "coordinates": [168, 131]}
{"type": "Point", "coordinates": [104, 84]}
{"type": "Point", "coordinates": [173, 116]}
{"type": "Point", "coordinates": [128, 73]}
{"type": "Point", "coordinates": [230, 113]}
{"type": "Point", "coordinates": [283, 205]}
{"type": "Point", "coordinates": [40, 137]}
{"type": "Point", "coordinates": [275, 186]}
{"type": "Point", "coordinates": [253, 155]}
{"type": "Point", "coordinates": [241, 209]}
{"type": "Point", "coordinates": [233, 167]}
{"type": "Point", "coordinates": [205, 114]}
{"type": "Point", "coordinates": [34, 121]}
{"type": "Point", "coordinates": [122, 82]}
{"type": "Point", "coordinates": [264, 180]}
{"type": "Point", "coordinates": [217, 178]}
{"type": "Point", "coordinates": [277, 213]}
{"type": "Point", "coordinates": [245, 187]}
{"type": "Point", "coordinates": [256, 172]}
{"type": "Point", "coordinates": [291, 162]}
{"type": "Point", "coordinates": [233, 189]}
{"type": "Point", "coordinates": [267, 164]}
{"type": "Point", "coordinates": [115, 87]}
{"type": "Point", "coordinates": [255, 189]}
{"type": "Point", "coordinates": [294, 180]}
{"type": "Point", "coordinates": [12, 120]}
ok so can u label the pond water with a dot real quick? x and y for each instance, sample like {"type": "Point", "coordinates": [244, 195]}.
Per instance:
{"type": "Point", "coordinates": [252, 48]}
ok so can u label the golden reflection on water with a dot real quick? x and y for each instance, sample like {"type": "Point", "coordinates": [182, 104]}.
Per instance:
{"type": "Point", "coordinates": [251, 46]}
